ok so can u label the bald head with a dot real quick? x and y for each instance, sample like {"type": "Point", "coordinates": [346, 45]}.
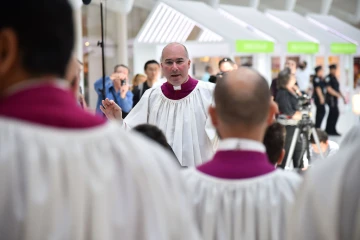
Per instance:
{"type": "Point", "coordinates": [242, 97]}
{"type": "Point", "coordinates": [174, 46]}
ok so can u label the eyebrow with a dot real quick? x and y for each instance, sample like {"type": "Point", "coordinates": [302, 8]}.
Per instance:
{"type": "Point", "coordinates": [177, 59]}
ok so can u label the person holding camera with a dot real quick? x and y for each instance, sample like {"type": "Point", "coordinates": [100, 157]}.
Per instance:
{"type": "Point", "coordinates": [287, 100]}
{"type": "Point", "coordinates": [319, 96]}
{"type": "Point", "coordinates": [116, 89]}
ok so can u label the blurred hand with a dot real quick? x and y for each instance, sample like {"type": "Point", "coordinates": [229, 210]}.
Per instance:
{"type": "Point", "coordinates": [123, 90]}
{"type": "Point", "coordinates": [111, 110]}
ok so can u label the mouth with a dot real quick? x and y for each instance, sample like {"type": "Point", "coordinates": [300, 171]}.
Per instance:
{"type": "Point", "coordinates": [175, 75]}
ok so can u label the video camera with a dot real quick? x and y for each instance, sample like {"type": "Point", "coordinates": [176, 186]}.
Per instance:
{"type": "Point", "coordinates": [304, 103]}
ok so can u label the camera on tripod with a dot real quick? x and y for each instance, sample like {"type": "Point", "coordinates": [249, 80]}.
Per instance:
{"type": "Point", "coordinates": [304, 103]}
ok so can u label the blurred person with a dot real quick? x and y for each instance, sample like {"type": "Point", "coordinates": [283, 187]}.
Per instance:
{"type": "Point", "coordinates": [152, 71]}
{"type": "Point", "coordinates": [239, 194]}
{"type": "Point", "coordinates": [274, 142]}
{"type": "Point", "coordinates": [155, 134]}
{"type": "Point", "coordinates": [327, 205]}
{"type": "Point", "coordinates": [225, 65]}
{"type": "Point", "coordinates": [73, 76]}
{"type": "Point", "coordinates": [137, 80]}
{"type": "Point", "coordinates": [178, 108]}
{"type": "Point", "coordinates": [65, 173]}
{"type": "Point", "coordinates": [327, 147]}
{"type": "Point", "coordinates": [319, 96]}
{"type": "Point", "coordinates": [291, 64]}
{"type": "Point", "coordinates": [208, 72]}
{"type": "Point", "coordinates": [332, 95]}
{"type": "Point", "coordinates": [117, 89]}
{"type": "Point", "coordinates": [303, 77]}
{"type": "Point", "coordinates": [287, 100]}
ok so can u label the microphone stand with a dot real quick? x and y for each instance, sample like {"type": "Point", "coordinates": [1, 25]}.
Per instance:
{"type": "Point", "coordinates": [101, 44]}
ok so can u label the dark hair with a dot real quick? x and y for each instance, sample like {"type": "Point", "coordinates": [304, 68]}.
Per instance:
{"type": "Point", "coordinates": [225, 60]}
{"type": "Point", "coordinates": [274, 141]}
{"type": "Point", "coordinates": [332, 66]}
{"type": "Point", "coordinates": [283, 78]}
{"type": "Point", "coordinates": [121, 65]}
{"type": "Point", "coordinates": [155, 134]}
{"type": "Point", "coordinates": [150, 62]}
{"type": "Point", "coordinates": [323, 137]}
{"type": "Point", "coordinates": [317, 69]}
{"type": "Point", "coordinates": [45, 34]}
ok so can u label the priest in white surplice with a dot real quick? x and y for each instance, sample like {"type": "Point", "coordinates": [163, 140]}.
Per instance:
{"type": "Point", "coordinates": [66, 174]}
{"type": "Point", "coordinates": [178, 108]}
{"type": "Point", "coordinates": [328, 204]}
{"type": "Point", "coordinates": [239, 194]}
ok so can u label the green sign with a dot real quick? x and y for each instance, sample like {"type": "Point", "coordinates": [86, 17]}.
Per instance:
{"type": "Point", "coordinates": [248, 46]}
{"type": "Point", "coordinates": [303, 47]}
{"type": "Point", "coordinates": [343, 48]}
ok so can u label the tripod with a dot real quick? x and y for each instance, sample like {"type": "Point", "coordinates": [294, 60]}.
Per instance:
{"type": "Point", "coordinates": [304, 127]}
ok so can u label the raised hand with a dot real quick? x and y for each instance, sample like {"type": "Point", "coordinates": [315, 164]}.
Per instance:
{"type": "Point", "coordinates": [111, 110]}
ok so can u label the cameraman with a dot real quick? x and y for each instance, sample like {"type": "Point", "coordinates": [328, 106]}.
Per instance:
{"type": "Point", "coordinates": [287, 100]}
{"type": "Point", "coordinates": [117, 89]}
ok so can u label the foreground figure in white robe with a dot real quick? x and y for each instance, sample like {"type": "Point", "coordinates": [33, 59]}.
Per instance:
{"type": "Point", "coordinates": [239, 194]}
{"type": "Point", "coordinates": [64, 173]}
{"type": "Point", "coordinates": [178, 108]}
{"type": "Point", "coordinates": [328, 205]}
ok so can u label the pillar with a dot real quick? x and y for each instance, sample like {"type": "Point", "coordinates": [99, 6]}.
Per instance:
{"type": "Point", "coordinates": [122, 38]}
{"type": "Point", "coordinates": [78, 49]}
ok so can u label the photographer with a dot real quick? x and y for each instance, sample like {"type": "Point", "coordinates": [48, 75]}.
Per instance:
{"type": "Point", "coordinates": [117, 89]}
{"type": "Point", "coordinates": [287, 100]}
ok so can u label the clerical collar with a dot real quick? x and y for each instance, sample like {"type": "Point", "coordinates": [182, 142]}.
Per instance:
{"type": "Point", "coordinates": [176, 93]}
{"type": "Point", "coordinates": [241, 144]}
{"type": "Point", "coordinates": [177, 88]}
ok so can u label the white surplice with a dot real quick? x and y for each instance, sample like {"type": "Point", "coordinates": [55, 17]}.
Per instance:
{"type": "Point", "coordinates": [328, 205]}
{"type": "Point", "coordinates": [88, 184]}
{"type": "Point", "coordinates": [185, 122]}
{"type": "Point", "coordinates": [234, 209]}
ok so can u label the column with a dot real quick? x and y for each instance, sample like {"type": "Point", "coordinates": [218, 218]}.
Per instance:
{"type": "Point", "coordinates": [122, 38]}
{"type": "Point", "coordinates": [79, 41]}
{"type": "Point", "coordinates": [325, 6]}
{"type": "Point", "coordinates": [290, 5]}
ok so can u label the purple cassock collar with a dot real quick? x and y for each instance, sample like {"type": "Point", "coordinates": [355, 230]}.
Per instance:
{"type": "Point", "coordinates": [47, 104]}
{"type": "Point", "coordinates": [238, 159]}
{"type": "Point", "coordinates": [182, 91]}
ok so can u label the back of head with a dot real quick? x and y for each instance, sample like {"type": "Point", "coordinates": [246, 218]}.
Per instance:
{"type": "Point", "coordinates": [322, 135]}
{"type": "Point", "coordinates": [274, 141]}
{"type": "Point", "coordinates": [283, 78]}
{"type": "Point", "coordinates": [44, 34]}
{"type": "Point", "coordinates": [242, 97]}
{"type": "Point", "coordinates": [155, 134]}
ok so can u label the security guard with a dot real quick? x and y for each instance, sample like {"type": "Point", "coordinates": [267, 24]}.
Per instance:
{"type": "Point", "coordinates": [319, 95]}
{"type": "Point", "coordinates": [333, 93]}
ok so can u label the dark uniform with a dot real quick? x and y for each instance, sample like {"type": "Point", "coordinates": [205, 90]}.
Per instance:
{"type": "Point", "coordinates": [320, 108]}
{"type": "Point", "coordinates": [332, 101]}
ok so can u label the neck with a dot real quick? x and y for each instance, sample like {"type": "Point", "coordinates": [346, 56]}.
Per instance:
{"type": "Point", "coordinates": [187, 79]}
{"type": "Point", "coordinates": [256, 134]}
{"type": "Point", "coordinates": [150, 82]}
{"type": "Point", "coordinates": [117, 88]}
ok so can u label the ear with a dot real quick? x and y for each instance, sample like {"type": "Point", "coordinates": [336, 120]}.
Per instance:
{"type": "Point", "coordinates": [213, 116]}
{"type": "Point", "coordinates": [189, 62]}
{"type": "Point", "coordinates": [281, 158]}
{"type": "Point", "coordinates": [8, 50]}
{"type": "Point", "coordinates": [273, 110]}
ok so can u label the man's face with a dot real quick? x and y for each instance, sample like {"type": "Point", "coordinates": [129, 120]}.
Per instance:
{"type": "Point", "coordinates": [292, 65]}
{"type": "Point", "coordinates": [333, 71]}
{"type": "Point", "coordinates": [152, 71]}
{"type": "Point", "coordinates": [175, 64]}
{"type": "Point", "coordinates": [226, 67]}
{"type": "Point", "coordinates": [323, 146]}
{"type": "Point", "coordinates": [123, 70]}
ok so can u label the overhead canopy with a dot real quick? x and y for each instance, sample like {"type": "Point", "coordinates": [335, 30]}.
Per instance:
{"type": "Point", "coordinates": [337, 27]}
{"type": "Point", "coordinates": [175, 21]}
{"type": "Point", "coordinates": [253, 18]}
{"type": "Point", "coordinates": [303, 26]}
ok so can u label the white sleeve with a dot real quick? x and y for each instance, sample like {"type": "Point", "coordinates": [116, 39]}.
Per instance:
{"type": "Point", "coordinates": [139, 114]}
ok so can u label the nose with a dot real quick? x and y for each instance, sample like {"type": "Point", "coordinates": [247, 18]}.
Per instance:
{"type": "Point", "coordinates": [174, 67]}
